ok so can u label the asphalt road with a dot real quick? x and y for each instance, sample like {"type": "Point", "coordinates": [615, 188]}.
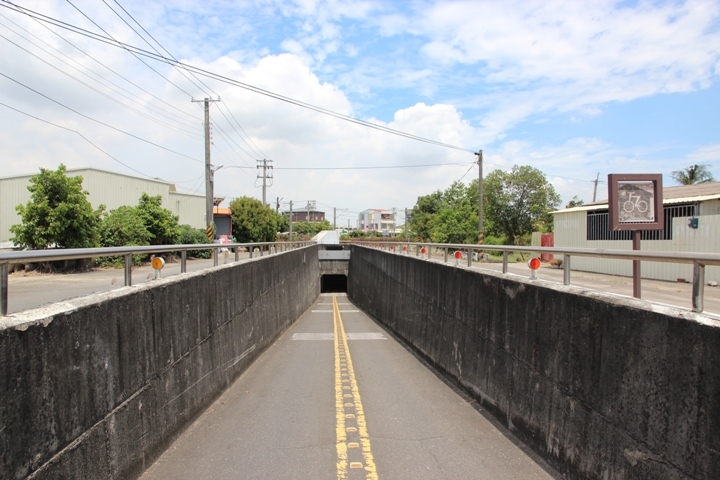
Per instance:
{"type": "Point", "coordinates": [300, 412]}
{"type": "Point", "coordinates": [31, 290]}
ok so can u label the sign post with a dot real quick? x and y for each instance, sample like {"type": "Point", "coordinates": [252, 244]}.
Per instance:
{"type": "Point", "coordinates": [635, 204]}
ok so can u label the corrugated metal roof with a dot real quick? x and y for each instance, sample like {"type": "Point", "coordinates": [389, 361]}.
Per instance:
{"type": "Point", "coordinates": [671, 196]}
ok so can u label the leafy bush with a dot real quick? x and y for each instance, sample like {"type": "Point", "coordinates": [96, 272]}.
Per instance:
{"type": "Point", "coordinates": [119, 228]}
{"type": "Point", "coordinates": [192, 236]}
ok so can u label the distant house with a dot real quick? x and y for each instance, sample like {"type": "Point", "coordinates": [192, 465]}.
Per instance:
{"type": "Point", "coordinates": [376, 219]}
{"type": "Point", "coordinates": [587, 226]}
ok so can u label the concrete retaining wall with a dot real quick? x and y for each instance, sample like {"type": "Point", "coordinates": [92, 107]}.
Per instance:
{"type": "Point", "coordinates": [602, 387]}
{"type": "Point", "coordinates": [99, 388]}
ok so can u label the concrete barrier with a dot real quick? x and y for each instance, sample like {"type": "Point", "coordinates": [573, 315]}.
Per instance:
{"type": "Point", "coordinates": [98, 387]}
{"type": "Point", "coordinates": [603, 387]}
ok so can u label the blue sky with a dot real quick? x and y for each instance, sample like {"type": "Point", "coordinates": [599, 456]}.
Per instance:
{"type": "Point", "coordinates": [571, 88]}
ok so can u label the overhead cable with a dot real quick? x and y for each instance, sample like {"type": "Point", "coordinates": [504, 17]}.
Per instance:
{"type": "Point", "coordinates": [208, 74]}
{"type": "Point", "coordinates": [100, 122]}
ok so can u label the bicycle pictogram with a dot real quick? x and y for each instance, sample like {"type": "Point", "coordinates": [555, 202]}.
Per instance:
{"type": "Point", "coordinates": [635, 203]}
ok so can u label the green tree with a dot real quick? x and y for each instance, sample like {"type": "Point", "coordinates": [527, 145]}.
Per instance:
{"type": "Point", "coordinates": [518, 202]}
{"type": "Point", "coordinates": [253, 221]}
{"type": "Point", "coordinates": [310, 229]}
{"type": "Point", "coordinates": [58, 213]}
{"type": "Point", "coordinates": [575, 202]}
{"type": "Point", "coordinates": [448, 216]}
{"type": "Point", "coordinates": [160, 222]}
{"type": "Point", "coordinates": [692, 175]}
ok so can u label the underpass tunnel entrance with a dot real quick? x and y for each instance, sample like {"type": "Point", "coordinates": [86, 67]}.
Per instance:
{"type": "Point", "coordinates": [333, 284]}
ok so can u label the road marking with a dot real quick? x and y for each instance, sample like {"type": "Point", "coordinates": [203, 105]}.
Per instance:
{"type": "Point", "coordinates": [331, 336]}
{"type": "Point", "coordinates": [343, 363]}
{"type": "Point", "coordinates": [330, 311]}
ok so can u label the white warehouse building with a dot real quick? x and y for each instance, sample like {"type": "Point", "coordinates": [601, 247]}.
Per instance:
{"type": "Point", "coordinates": [104, 188]}
{"type": "Point", "coordinates": [588, 227]}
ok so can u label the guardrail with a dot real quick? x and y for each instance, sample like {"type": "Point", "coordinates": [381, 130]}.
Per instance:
{"type": "Point", "coordinates": [698, 259]}
{"type": "Point", "coordinates": [34, 256]}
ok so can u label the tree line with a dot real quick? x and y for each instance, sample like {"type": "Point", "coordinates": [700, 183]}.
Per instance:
{"type": "Point", "coordinates": [515, 204]}
{"type": "Point", "coordinates": [59, 215]}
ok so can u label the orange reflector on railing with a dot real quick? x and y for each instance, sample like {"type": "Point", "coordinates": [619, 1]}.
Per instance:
{"type": "Point", "coordinates": [534, 263]}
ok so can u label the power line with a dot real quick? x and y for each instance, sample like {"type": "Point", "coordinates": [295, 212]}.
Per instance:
{"type": "Point", "coordinates": [253, 146]}
{"type": "Point", "coordinates": [78, 133]}
{"type": "Point", "coordinates": [120, 44]}
{"type": "Point", "coordinates": [374, 168]}
{"type": "Point", "coordinates": [136, 111]}
{"type": "Point", "coordinates": [98, 121]}
{"type": "Point", "coordinates": [138, 51]}
{"type": "Point", "coordinates": [160, 110]}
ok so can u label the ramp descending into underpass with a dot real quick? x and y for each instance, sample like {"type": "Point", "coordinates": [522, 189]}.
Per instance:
{"type": "Point", "coordinates": [602, 387]}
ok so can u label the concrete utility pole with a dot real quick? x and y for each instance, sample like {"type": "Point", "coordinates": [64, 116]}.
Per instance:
{"type": "Point", "coordinates": [406, 222]}
{"type": "Point", "coordinates": [266, 166]}
{"type": "Point", "coordinates": [481, 235]}
{"type": "Point", "coordinates": [597, 180]}
{"type": "Point", "coordinates": [290, 220]}
{"type": "Point", "coordinates": [334, 218]}
{"type": "Point", "coordinates": [209, 180]}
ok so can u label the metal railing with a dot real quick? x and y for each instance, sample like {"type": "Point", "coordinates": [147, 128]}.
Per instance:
{"type": "Point", "coordinates": [35, 256]}
{"type": "Point", "coordinates": [698, 259]}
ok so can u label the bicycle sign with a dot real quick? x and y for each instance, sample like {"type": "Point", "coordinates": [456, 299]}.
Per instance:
{"type": "Point", "coordinates": [635, 201]}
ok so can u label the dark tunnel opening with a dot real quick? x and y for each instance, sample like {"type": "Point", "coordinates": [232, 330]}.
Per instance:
{"type": "Point", "coordinates": [333, 284]}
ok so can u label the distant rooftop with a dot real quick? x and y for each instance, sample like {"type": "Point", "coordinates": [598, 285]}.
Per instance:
{"type": "Point", "coordinates": [671, 195]}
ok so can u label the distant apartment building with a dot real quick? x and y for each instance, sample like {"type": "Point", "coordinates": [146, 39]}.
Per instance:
{"type": "Point", "coordinates": [306, 216]}
{"type": "Point", "coordinates": [376, 219]}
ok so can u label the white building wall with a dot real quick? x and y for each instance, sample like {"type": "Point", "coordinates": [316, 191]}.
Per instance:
{"type": "Point", "coordinates": [571, 231]}
{"type": "Point", "coordinates": [104, 188]}
{"type": "Point", "coordinates": [189, 208]}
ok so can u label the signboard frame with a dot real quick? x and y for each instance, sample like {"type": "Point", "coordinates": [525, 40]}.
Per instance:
{"type": "Point", "coordinates": [621, 204]}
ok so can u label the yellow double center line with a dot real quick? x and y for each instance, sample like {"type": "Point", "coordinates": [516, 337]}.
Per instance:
{"type": "Point", "coordinates": [351, 428]}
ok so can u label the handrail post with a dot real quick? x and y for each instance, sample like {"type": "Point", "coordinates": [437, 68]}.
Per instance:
{"type": "Point", "coordinates": [469, 258]}
{"type": "Point", "coordinates": [566, 269]}
{"type": "Point", "coordinates": [183, 261]}
{"type": "Point", "coordinates": [446, 254]}
{"type": "Point", "coordinates": [505, 261]}
{"type": "Point", "coordinates": [237, 254]}
{"type": "Point", "coordinates": [698, 289]}
{"type": "Point", "coordinates": [4, 269]}
{"type": "Point", "coordinates": [216, 254]}
{"type": "Point", "coordinates": [128, 269]}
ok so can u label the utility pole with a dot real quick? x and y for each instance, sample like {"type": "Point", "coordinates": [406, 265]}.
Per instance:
{"type": "Point", "coordinates": [334, 218]}
{"type": "Point", "coordinates": [481, 235]}
{"type": "Point", "coordinates": [406, 222]}
{"type": "Point", "coordinates": [277, 205]}
{"type": "Point", "coordinates": [290, 220]}
{"type": "Point", "coordinates": [266, 166]}
{"type": "Point", "coordinates": [597, 180]}
{"type": "Point", "coordinates": [209, 176]}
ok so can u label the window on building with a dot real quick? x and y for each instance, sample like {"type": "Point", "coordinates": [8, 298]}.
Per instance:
{"type": "Point", "coordinates": [597, 224]}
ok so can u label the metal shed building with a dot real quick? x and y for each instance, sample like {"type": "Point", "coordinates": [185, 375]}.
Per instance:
{"type": "Point", "coordinates": [104, 188]}
{"type": "Point", "coordinates": [588, 227]}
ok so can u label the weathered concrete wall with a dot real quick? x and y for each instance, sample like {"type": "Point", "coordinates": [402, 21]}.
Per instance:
{"type": "Point", "coordinates": [98, 389]}
{"type": "Point", "coordinates": [602, 387]}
